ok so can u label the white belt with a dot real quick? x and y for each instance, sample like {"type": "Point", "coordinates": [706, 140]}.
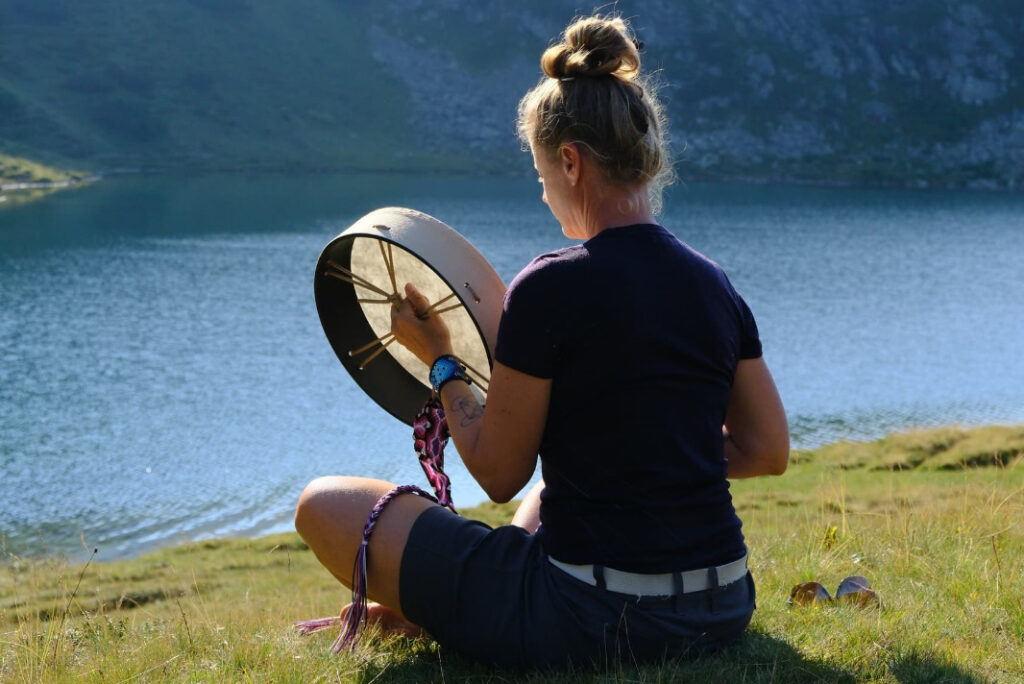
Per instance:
{"type": "Point", "coordinates": [664, 584]}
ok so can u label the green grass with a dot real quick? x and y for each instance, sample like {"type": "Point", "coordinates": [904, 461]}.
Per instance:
{"type": "Point", "coordinates": [933, 519]}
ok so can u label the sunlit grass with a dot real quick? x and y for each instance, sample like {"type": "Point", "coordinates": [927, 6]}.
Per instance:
{"type": "Point", "coordinates": [942, 546]}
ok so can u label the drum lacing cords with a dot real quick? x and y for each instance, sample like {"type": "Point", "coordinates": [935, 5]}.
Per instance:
{"type": "Point", "coordinates": [430, 436]}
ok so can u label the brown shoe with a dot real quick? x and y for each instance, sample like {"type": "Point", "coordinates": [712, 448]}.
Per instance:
{"type": "Point", "coordinates": [856, 590]}
{"type": "Point", "coordinates": [808, 594]}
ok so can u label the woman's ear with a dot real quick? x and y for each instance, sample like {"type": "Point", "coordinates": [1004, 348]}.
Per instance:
{"type": "Point", "coordinates": [569, 162]}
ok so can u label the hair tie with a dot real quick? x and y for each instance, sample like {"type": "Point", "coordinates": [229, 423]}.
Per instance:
{"type": "Point", "coordinates": [566, 79]}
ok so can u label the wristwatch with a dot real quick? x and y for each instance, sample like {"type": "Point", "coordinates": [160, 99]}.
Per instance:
{"type": "Point", "coordinates": [445, 369]}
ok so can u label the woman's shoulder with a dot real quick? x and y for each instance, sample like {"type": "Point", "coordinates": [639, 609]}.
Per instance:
{"type": "Point", "coordinates": [547, 282]}
{"type": "Point", "coordinates": [551, 267]}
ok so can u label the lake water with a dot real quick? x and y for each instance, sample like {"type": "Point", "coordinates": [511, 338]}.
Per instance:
{"type": "Point", "coordinates": [164, 376]}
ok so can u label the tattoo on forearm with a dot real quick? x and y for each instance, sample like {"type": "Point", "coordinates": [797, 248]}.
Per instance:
{"type": "Point", "coordinates": [469, 409]}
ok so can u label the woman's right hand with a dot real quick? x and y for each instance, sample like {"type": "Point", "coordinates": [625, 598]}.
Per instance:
{"type": "Point", "coordinates": [424, 334]}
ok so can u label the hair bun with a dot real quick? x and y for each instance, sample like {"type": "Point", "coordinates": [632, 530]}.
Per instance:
{"type": "Point", "coordinates": [594, 46]}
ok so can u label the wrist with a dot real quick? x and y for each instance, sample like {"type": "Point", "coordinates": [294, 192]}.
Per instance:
{"type": "Point", "coordinates": [446, 368]}
{"type": "Point", "coordinates": [439, 351]}
{"type": "Point", "coordinates": [440, 345]}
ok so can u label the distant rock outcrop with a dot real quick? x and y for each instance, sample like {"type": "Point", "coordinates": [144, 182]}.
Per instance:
{"type": "Point", "coordinates": [906, 92]}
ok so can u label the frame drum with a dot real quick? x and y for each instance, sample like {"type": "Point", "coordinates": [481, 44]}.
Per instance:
{"type": "Point", "coordinates": [362, 273]}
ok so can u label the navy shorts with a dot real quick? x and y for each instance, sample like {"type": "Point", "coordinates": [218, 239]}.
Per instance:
{"type": "Point", "coordinates": [491, 595]}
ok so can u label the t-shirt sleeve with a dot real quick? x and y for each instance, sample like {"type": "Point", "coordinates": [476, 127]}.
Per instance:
{"type": "Point", "coordinates": [750, 339]}
{"type": "Point", "coordinates": [530, 332]}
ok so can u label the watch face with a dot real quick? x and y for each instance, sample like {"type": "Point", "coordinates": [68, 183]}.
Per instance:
{"type": "Point", "coordinates": [442, 369]}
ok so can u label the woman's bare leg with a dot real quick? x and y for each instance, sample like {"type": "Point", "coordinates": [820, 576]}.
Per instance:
{"type": "Point", "coordinates": [528, 514]}
{"type": "Point", "coordinates": [330, 517]}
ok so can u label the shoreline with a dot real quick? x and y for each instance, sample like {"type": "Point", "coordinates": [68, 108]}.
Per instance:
{"type": "Point", "coordinates": [22, 194]}
{"type": "Point", "coordinates": [23, 181]}
{"type": "Point", "coordinates": [686, 176]}
{"type": "Point", "coordinates": [943, 449]}
{"type": "Point", "coordinates": [47, 185]}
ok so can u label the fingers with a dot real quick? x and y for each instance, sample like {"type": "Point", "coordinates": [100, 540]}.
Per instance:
{"type": "Point", "coordinates": [406, 316]}
{"type": "Point", "coordinates": [413, 326]}
{"type": "Point", "coordinates": [416, 299]}
{"type": "Point", "coordinates": [398, 312]}
{"type": "Point", "coordinates": [411, 307]}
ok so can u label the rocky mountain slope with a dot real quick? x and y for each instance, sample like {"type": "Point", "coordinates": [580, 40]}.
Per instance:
{"type": "Point", "coordinates": [905, 92]}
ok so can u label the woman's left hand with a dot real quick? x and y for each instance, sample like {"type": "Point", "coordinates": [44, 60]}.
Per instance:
{"type": "Point", "coordinates": [424, 334]}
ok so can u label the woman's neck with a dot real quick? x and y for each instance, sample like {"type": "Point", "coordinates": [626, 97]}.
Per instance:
{"type": "Point", "coordinates": [611, 206]}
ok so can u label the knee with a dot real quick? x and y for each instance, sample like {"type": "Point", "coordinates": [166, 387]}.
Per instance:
{"type": "Point", "coordinates": [310, 509]}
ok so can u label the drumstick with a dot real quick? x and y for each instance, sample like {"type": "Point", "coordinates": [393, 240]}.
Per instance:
{"type": "Point", "coordinates": [430, 309]}
{"type": "Point", "coordinates": [375, 354]}
{"type": "Point", "coordinates": [357, 283]}
{"type": "Point", "coordinates": [379, 340]}
{"type": "Point", "coordinates": [350, 277]}
{"type": "Point", "coordinates": [355, 279]}
{"type": "Point", "coordinates": [448, 308]}
{"type": "Point", "coordinates": [397, 300]}
{"type": "Point", "coordinates": [389, 264]}
{"type": "Point", "coordinates": [481, 380]}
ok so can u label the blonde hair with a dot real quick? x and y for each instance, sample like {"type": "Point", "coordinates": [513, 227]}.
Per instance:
{"type": "Point", "coordinates": [593, 95]}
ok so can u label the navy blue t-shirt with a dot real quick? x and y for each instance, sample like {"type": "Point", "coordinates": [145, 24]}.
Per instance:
{"type": "Point", "coordinates": [640, 335]}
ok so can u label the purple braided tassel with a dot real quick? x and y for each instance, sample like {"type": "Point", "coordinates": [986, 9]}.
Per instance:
{"type": "Point", "coordinates": [430, 435]}
{"type": "Point", "coordinates": [355, 621]}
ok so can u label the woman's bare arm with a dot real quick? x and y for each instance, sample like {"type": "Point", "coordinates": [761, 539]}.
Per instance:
{"type": "Point", "coordinates": [757, 434]}
{"type": "Point", "coordinates": [499, 446]}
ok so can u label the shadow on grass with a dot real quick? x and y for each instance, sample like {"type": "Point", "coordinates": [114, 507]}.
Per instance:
{"type": "Point", "coordinates": [758, 657]}
{"type": "Point", "coordinates": [762, 657]}
{"type": "Point", "coordinates": [916, 667]}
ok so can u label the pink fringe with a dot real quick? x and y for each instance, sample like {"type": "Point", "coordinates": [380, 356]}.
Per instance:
{"type": "Point", "coordinates": [309, 626]}
{"type": "Point", "coordinates": [430, 437]}
{"type": "Point", "coordinates": [355, 621]}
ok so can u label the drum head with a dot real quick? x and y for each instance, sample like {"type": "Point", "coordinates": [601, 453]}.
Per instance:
{"type": "Point", "coordinates": [363, 271]}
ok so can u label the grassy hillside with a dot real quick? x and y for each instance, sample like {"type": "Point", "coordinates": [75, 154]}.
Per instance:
{"type": "Point", "coordinates": [220, 83]}
{"type": "Point", "coordinates": [943, 547]}
{"type": "Point", "coordinates": [911, 93]}
{"type": "Point", "coordinates": [22, 180]}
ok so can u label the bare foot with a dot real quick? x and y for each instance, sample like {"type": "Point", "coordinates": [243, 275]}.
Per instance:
{"type": "Point", "coordinates": [387, 621]}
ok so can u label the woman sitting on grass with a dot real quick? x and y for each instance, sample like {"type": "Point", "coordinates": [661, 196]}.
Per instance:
{"type": "Point", "coordinates": [630, 366]}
